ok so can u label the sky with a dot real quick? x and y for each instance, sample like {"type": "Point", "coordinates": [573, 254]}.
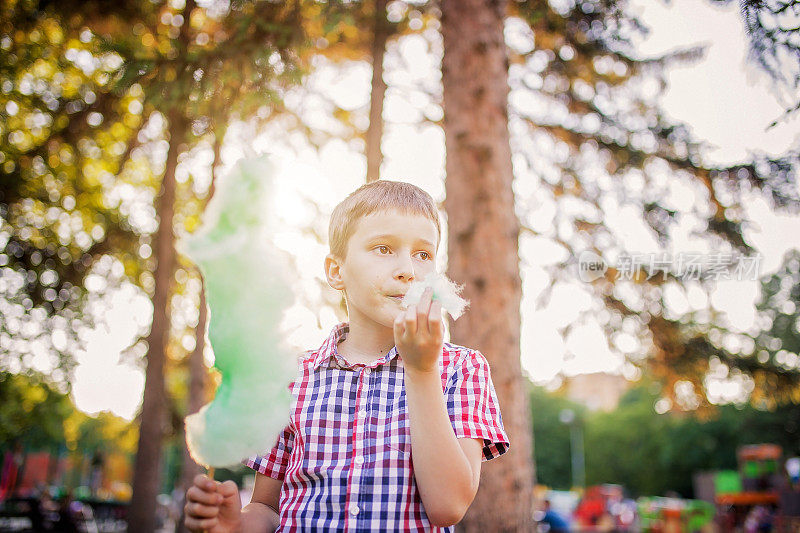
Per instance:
{"type": "Point", "coordinates": [726, 101]}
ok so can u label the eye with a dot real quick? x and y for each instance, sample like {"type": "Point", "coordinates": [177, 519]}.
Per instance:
{"type": "Point", "coordinates": [382, 248]}
{"type": "Point", "coordinates": [426, 256]}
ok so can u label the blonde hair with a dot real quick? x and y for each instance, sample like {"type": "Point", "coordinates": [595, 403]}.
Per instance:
{"type": "Point", "coordinates": [381, 195]}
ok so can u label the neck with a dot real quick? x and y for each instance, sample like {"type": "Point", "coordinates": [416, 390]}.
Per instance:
{"type": "Point", "coordinates": [364, 345]}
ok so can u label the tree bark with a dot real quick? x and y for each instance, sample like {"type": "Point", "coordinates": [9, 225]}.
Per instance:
{"type": "Point", "coordinates": [198, 372]}
{"type": "Point", "coordinates": [380, 35]}
{"type": "Point", "coordinates": [483, 235]}
{"type": "Point", "coordinates": [153, 418]}
{"type": "Point", "coordinates": [196, 394]}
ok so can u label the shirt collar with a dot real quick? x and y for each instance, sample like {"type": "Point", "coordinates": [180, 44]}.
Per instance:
{"type": "Point", "coordinates": [328, 352]}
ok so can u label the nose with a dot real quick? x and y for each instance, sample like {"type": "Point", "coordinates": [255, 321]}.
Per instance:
{"type": "Point", "coordinates": [404, 269]}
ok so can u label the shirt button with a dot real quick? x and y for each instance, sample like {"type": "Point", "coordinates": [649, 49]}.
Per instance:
{"type": "Point", "coordinates": [353, 509]}
{"type": "Point", "coordinates": [359, 460]}
{"type": "Point", "coordinates": [362, 412]}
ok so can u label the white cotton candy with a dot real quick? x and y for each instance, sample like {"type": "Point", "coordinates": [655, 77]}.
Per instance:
{"type": "Point", "coordinates": [444, 290]}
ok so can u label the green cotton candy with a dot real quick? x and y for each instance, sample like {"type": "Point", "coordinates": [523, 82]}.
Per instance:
{"type": "Point", "coordinates": [247, 291]}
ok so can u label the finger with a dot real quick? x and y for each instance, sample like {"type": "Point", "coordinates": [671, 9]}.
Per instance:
{"type": "Point", "coordinates": [197, 524]}
{"type": "Point", "coordinates": [198, 510]}
{"type": "Point", "coordinates": [196, 494]}
{"type": "Point", "coordinates": [410, 321]}
{"type": "Point", "coordinates": [435, 321]}
{"type": "Point", "coordinates": [229, 488]}
{"type": "Point", "coordinates": [205, 483]}
{"type": "Point", "coordinates": [423, 308]}
{"type": "Point", "coordinates": [229, 491]}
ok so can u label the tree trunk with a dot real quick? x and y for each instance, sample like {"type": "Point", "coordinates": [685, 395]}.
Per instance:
{"type": "Point", "coordinates": [153, 418]}
{"type": "Point", "coordinates": [196, 398]}
{"type": "Point", "coordinates": [483, 234]}
{"type": "Point", "coordinates": [380, 35]}
{"type": "Point", "coordinates": [197, 367]}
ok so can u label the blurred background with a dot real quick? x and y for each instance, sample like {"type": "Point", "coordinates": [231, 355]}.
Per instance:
{"type": "Point", "coordinates": [641, 184]}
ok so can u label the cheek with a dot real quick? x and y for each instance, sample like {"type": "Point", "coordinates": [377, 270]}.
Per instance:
{"type": "Point", "coordinates": [368, 284]}
{"type": "Point", "coordinates": [376, 285]}
{"type": "Point", "coordinates": [425, 269]}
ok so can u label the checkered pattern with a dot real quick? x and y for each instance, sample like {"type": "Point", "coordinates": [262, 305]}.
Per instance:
{"type": "Point", "coordinates": [345, 457]}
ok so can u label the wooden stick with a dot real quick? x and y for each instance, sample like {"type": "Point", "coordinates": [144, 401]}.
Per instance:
{"type": "Point", "coordinates": [210, 474]}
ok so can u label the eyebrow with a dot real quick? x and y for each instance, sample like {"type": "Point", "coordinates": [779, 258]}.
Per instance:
{"type": "Point", "coordinates": [390, 236]}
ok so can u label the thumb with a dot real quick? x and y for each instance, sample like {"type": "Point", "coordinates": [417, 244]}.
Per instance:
{"type": "Point", "coordinates": [230, 497]}
{"type": "Point", "coordinates": [228, 489]}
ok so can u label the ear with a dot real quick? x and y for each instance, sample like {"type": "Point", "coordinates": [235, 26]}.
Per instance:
{"type": "Point", "coordinates": [333, 272]}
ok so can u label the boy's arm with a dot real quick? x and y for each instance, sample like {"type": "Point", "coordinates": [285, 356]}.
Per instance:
{"type": "Point", "coordinates": [261, 514]}
{"type": "Point", "coordinates": [447, 469]}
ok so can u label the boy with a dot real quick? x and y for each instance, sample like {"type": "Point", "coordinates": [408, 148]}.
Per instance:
{"type": "Point", "coordinates": [389, 424]}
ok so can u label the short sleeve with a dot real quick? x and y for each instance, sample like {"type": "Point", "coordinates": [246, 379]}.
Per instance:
{"type": "Point", "coordinates": [275, 462]}
{"type": "Point", "coordinates": [473, 407]}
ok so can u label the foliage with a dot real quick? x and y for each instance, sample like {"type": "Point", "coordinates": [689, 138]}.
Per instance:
{"type": "Point", "coordinates": [778, 343]}
{"type": "Point", "coordinates": [36, 416]}
{"type": "Point", "coordinates": [552, 438]}
{"type": "Point", "coordinates": [772, 27]}
{"type": "Point", "coordinates": [62, 140]}
{"type": "Point", "coordinates": [590, 141]}
{"type": "Point", "coordinates": [84, 148]}
{"type": "Point", "coordinates": [662, 452]}
{"type": "Point", "coordinates": [24, 400]}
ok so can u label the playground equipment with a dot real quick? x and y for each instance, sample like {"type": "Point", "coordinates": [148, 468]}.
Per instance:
{"type": "Point", "coordinates": [760, 491]}
{"type": "Point", "coordinates": [673, 514]}
{"type": "Point", "coordinates": [604, 508]}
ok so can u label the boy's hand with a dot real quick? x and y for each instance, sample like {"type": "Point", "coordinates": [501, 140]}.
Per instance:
{"type": "Point", "coordinates": [419, 333]}
{"type": "Point", "coordinates": [212, 506]}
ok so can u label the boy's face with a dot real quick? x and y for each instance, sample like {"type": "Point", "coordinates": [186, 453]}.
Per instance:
{"type": "Point", "coordinates": [387, 251]}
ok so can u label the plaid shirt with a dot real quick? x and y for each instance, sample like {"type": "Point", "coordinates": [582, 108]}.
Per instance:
{"type": "Point", "coordinates": [345, 457]}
